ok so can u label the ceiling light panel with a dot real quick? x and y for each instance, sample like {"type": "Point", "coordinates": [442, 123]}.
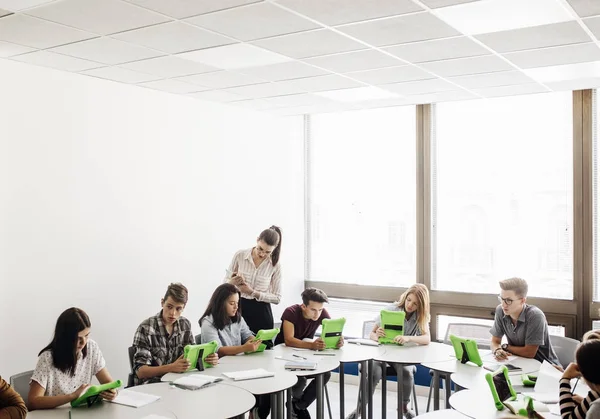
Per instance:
{"type": "Point", "coordinates": [235, 56]}
{"type": "Point", "coordinates": [174, 37]}
{"type": "Point", "coordinates": [119, 74]}
{"type": "Point", "coordinates": [556, 34]}
{"type": "Point", "coordinates": [107, 51]}
{"type": "Point", "coordinates": [8, 49]}
{"type": "Point", "coordinates": [168, 66]}
{"type": "Point", "coordinates": [502, 15]}
{"type": "Point", "coordinates": [336, 12]}
{"type": "Point", "coordinates": [585, 8]}
{"type": "Point", "coordinates": [284, 71]}
{"type": "Point", "coordinates": [391, 75]}
{"type": "Point", "coordinates": [310, 44]}
{"type": "Point", "coordinates": [58, 61]}
{"type": "Point", "coordinates": [471, 65]}
{"type": "Point", "coordinates": [567, 54]}
{"type": "Point", "coordinates": [354, 61]}
{"type": "Point", "coordinates": [252, 22]}
{"type": "Point", "coordinates": [400, 30]}
{"type": "Point", "coordinates": [438, 49]}
{"type": "Point", "coordinates": [99, 16]}
{"type": "Point", "coordinates": [37, 33]}
{"type": "Point", "coordinates": [185, 8]}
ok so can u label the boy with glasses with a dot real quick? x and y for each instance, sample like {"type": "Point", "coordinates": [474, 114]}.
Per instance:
{"type": "Point", "coordinates": [524, 326]}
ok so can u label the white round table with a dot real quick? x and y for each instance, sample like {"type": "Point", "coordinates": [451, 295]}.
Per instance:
{"type": "Point", "coordinates": [479, 404]}
{"type": "Point", "coordinates": [443, 414]}
{"type": "Point", "coordinates": [471, 376]}
{"type": "Point", "coordinates": [58, 413]}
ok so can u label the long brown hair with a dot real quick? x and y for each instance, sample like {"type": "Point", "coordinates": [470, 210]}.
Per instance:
{"type": "Point", "coordinates": [272, 236]}
{"type": "Point", "coordinates": [216, 306]}
{"type": "Point", "coordinates": [421, 293]}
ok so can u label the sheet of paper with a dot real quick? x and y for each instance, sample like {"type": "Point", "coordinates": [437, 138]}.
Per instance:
{"type": "Point", "coordinates": [134, 398]}
{"type": "Point", "coordinates": [548, 378]}
{"type": "Point", "coordinates": [551, 397]}
{"type": "Point", "coordinates": [248, 374]}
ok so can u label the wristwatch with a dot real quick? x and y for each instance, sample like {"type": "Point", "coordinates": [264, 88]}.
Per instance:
{"type": "Point", "coordinates": [504, 347]}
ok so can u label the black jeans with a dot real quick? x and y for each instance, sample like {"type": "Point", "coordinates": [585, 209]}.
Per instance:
{"type": "Point", "coordinates": [303, 397]}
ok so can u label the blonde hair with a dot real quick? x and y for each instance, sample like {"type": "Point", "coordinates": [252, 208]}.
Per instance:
{"type": "Point", "coordinates": [518, 285]}
{"type": "Point", "coordinates": [590, 335]}
{"type": "Point", "coordinates": [421, 293]}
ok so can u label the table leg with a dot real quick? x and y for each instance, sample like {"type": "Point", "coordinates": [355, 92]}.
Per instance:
{"type": "Point", "coordinates": [436, 390]}
{"type": "Point", "coordinates": [383, 366]}
{"type": "Point", "coordinates": [280, 405]}
{"type": "Point", "coordinates": [364, 389]}
{"type": "Point", "coordinates": [400, 392]}
{"type": "Point", "coordinates": [342, 388]}
{"type": "Point", "coordinates": [274, 409]}
{"type": "Point", "coordinates": [320, 387]}
{"type": "Point", "coordinates": [448, 386]}
{"type": "Point", "coordinates": [288, 396]}
{"type": "Point", "coordinates": [370, 387]}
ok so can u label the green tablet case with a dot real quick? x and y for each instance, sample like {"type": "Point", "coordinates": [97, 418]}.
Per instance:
{"type": "Point", "coordinates": [393, 324]}
{"type": "Point", "coordinates": [528, 380]}
{"type": "Point", "coordinates": [92, 394]}
{"type": "Point", "coordinates": [466, 350]}
{"type": "Point", "coordinates": [265, 335]}
{"type": "Point", "coordinates": [331, 331]}
{"type": "Point", "coordinates": [500, 387]}
{"type": "Point", "coordinates": [195, 352]}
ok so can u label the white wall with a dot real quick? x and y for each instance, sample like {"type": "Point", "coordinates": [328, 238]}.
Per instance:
{"type": "Point", "coordinates": [109, 192]}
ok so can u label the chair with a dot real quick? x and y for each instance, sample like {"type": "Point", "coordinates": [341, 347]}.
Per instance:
{"type": "Point", "coordinates": [198, 339]}
{"type": "Point", "coordinates": [564, 348]}
{"type": "Point", "coordinates": [131, 353]}
{"type": "Point", "coordinates": [20, 382]}
{"type": "Point", "coordinates": [478, 332]}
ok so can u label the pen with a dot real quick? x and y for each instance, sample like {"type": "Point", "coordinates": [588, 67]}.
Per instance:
{"type": "Point", "coordinates": [298, 356]}
{"type": "Point", "coordinates": [575, 386]}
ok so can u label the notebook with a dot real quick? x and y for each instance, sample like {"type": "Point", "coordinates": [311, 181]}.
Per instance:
{"type": "Point", "coordinates": [248, 374]}
{"type": "Point", "coordinates": [300, 365]}
{"type": "Point", "coordinates": [196, 381]}
{"type": "Point", "coordinates": [134, 398]}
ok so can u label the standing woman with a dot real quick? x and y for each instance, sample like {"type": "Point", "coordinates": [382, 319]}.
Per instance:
{"type": "Point", "coordinates": [257, 273]}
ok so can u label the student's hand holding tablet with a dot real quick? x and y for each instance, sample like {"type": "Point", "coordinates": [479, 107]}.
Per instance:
{"type": "Point", "coordinates": [340, 342]}
{"type": "Point", "coordinates": [180, 365]}
{"type": "Point", "coordinates": [401, 339]}
{"type": "Point", "coordinates": [318, 344]}
{"type": "Point", "coordinates": [109, 394]}
{"type": "Point", "coordinates": [212, 359]}
{"type": "Point", "coordinates": [75, 395]}
{"type": "Point", "coordinates": [251, 345]}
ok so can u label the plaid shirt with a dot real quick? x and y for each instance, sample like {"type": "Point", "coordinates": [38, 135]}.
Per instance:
{"type": "Point", "coordinates": [154, 346]}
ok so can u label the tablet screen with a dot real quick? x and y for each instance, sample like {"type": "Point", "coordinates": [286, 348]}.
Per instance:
{"type": "Point", "coordinates": [502, 387]}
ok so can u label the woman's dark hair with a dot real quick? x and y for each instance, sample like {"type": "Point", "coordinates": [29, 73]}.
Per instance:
{"type": "Point", "coordinates": [588, 361]}
{"type": "Point", "coordinates": [272, 236]}
{"type": "Point", "coordinates": [64, 343]}
{"type": "Point", "coordinates": [216, 306]}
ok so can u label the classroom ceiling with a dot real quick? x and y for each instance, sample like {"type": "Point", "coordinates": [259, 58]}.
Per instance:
{"type": "Point", "coordinates": [293, 57]}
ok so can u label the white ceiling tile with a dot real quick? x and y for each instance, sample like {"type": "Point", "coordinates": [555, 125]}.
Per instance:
{"type": "Point", "coordinates": [252, 22]}
{"type": "Point", "coordinates": [439, 97]}
{"type": "Point", "coordinates": [521, 89]}
{"type": "Point", "coordinates": [283, 71]}
{"type": "Point", "coordinates": [221, 79]}
{"type": "Point", "coordinates": [337, 12]}
{"type": "Point", "coordinates": [443, 3]}
{"type": "Point", "coordinates": [297, 100]}
{"type": "Point", "coordinates": [310, 44]}
{"type": "Point", "coordinates": [174, 37]}
{"type": "Point", "coordinates": [354, 61]}
{"type": "Point", "coordinates": [391, 75]}
{"type": "Point", "coordinates": [8, 49]}
{"type": "Point", "coordinates": [566, 54]}
{"type": "Point", "coordinates": [536, 37]}
{"type": "Point", "coordinates": [217, 96]}
{"type": "Point", "coordinates": [357, 94]}
{"type": "Point", "coordinates": [564, 72]}
{"type": "Point", "coordinates": [438, 49]}
{"type": "Point", "coordinates": [585, 8]}
{"type": "Point", "coordinates": [593, 23]}
{"type": "Point", "coordinates": [235, 56]}
{"type": "Point", "coordinates": [471, 65]}
{"type": "Point", "coordinates": [107, 51]}
{"type": "Point", "coordinates": [119, 74]}
{"type": "Point", "coordinates": [502, 15]}
{"type": "Point", "coordinates": [580, 84]}
{"type": "Point", "coordinates": [58, 61]}
{"type": "Point", "coordinates": [4, 12]}
{"type": "Point", "coordinates": [263, 90]}
{"type": "Point", "coordinates": [420, 87]}
{"type": "Point", "coordinates": [255, 104]}
{"type": "Point", "coordinates": [185, 8]}
{"type": "Point", "coordinates": [400, 30]}
{"type": "Point", "coordinates": [172, 86]}
{"type": "Point", "coordinates": [503, 78]}
{"type": "Point", "coordinates": [321, 83]}
{"type": "Point", "coordinates": [102, 17]}
{"type": "Point", "coordinates": [168, 66]}
{"type": "Point", "coordinates": [16, 5]}
{"type": "Point", "coordinates": [381, 103]}
{"type": "Point", "coordinates": [37, 33]}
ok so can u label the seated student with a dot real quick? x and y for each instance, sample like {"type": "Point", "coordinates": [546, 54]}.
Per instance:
{"type": "Point", "coordinates": [524, 325]}
{"type": "Point", "coordinates": [160, 339]}
{"type": "Point", "coordinates": [67, 365]}
{"type": "Point", "coordinates": [12, 405]}
{"type": "Point", "coordinates": [299, 322]}
{"type": "Point", "coordinates": [587, 364]}
{"type": "Point", "coordinates": [415, 303]}
{"type": "Point", "coordinates": [222, 321]}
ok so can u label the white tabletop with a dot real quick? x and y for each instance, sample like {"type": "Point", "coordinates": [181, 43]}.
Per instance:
{"type": "Point", "coordinates": [471, 376]}
{"type": "Point", "coordinates": [479, 404]}
{"type": "Point", "coordinates": [325, 363]}
{"type": "Point", "coordinates": [443, 414]}
{"type": "Point", "coordinates": [217, 401]}
{"type": "Point", "coordinates": [352, 352]}
{"type": "Point", "coordinates": [415, 354]}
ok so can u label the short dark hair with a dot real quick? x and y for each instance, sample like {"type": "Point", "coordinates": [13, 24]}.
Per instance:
{"type": "Point", "coordinates": [313, 294]}
{"type": "Point", "coordinates": [518, 285]}
{"type": "Point", "coordinates": [588, 360]}
{"type": "Point", "coordinates": [216, 306]}
{"type": "Point", "coordinates": [178, 292]}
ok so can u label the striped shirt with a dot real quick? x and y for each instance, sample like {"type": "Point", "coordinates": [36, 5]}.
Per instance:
{"type": "Point", "coordinates": [568, 408]}
{"type": "Point", "coordinates": [264, 280]}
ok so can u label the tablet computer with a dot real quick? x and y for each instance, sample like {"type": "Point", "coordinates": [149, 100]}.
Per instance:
{"type": "Point", "coordinates": [196, 355]}
{"type": "Point", "coordinates": [393, 324]}
{"type": "Point", "coordinates": [264, 335]}
{"type": "Point", "coordinates": [331, 331]}
{"type": "Point", "coordinates": [500, 386]}
{"type": "Point", "coordinates": [466, 350]}
{"type": "Point", "coordinates": [92, 394]}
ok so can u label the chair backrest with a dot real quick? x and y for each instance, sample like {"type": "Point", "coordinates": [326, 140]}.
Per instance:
{"type": "Point", "coordinates": [20, 382]}
{"type": "Point", "coordinates": [564, 349]}
{"type": "Point", "coordinates": [131, 353]}
{"type": "Point", "coordinates": [480, 333]}
{"type": "Point", "coordinates": [367, 328]}
{"type": "Point", "coordinates": [198, 339]}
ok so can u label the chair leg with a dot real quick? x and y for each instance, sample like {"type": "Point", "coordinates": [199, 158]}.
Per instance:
{"type": "Point", "coordinates": [429, 396]}
{"type": "Point", "coordinates": [328, 404]}
{"type": "Point", "coordinates": [415, 399]}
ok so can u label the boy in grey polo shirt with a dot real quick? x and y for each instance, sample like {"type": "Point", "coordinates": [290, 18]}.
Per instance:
{"type": "Point", "coordinates": [525, 326]}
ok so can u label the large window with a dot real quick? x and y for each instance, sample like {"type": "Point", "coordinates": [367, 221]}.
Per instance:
{"type": "Point", "coordinates": [502, 194]}
{"type": "Point", "coordinates": [362, 197]}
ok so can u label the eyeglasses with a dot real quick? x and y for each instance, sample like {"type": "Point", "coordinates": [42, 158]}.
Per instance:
{"type": "Point", "coordinates": [507, 301]}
